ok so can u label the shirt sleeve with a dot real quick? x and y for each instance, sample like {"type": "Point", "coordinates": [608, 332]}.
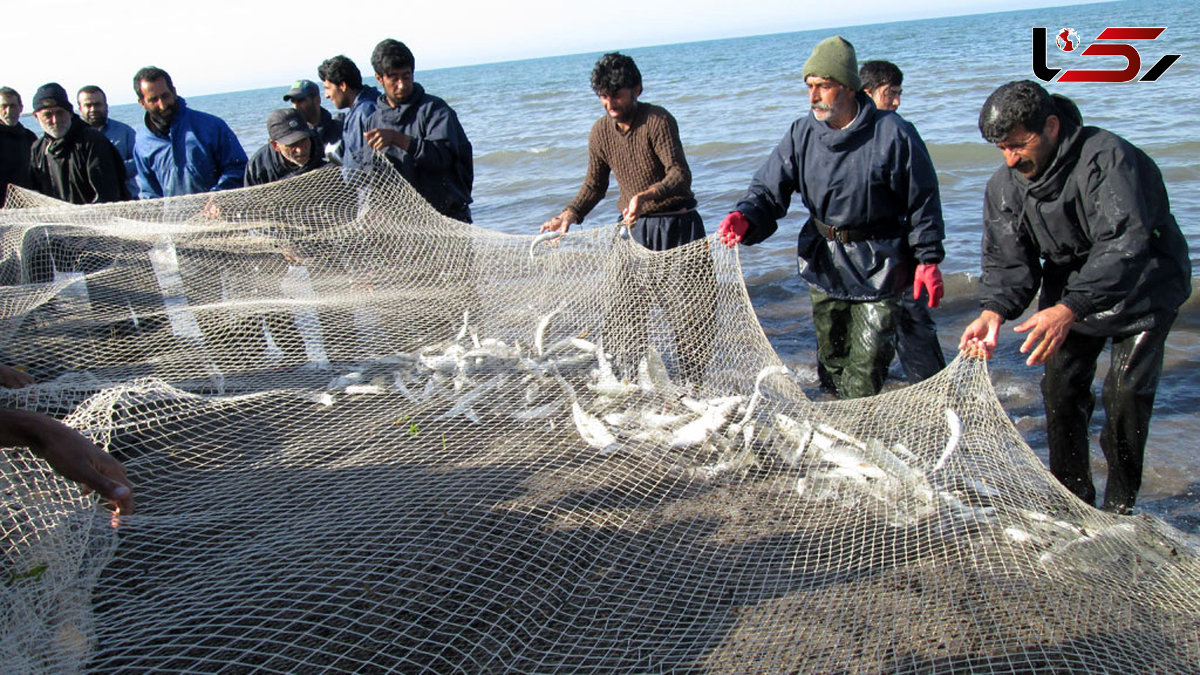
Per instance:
{"type": "Point", "coordinates": [595, 183]}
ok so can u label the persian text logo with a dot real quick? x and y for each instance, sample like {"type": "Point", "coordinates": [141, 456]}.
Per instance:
{"type": "Point", "coordinates": [1117, 39]}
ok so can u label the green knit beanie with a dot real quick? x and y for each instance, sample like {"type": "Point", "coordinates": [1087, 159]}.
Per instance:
{"type": "Point", "coordinates": [834, 58]}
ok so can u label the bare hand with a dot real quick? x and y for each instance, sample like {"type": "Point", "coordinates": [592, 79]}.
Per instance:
{"type": "Point", "coordinates": [560, 223]}
{"type": "Point", "coordinates": [14, 379]}
{"type": "Point", "coordinates": [383, 138]}
{"type": "Point", "coordinates": [979, 338]}
{"type": "Point", "coordinates": [69, 453]}
{"type": "Point", "coordinates": [631, 212]}
{"type": "Point", "coordinates": [211, 209]}
{"type": "Point", "coordinates": [1047, 330]}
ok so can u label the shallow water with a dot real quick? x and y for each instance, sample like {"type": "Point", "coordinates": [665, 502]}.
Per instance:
{"type": "Point", "coordinates": [733, 99]}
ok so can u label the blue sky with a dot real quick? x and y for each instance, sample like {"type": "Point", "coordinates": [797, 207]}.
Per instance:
{"type": "Point", "coordinates": [231, 45]}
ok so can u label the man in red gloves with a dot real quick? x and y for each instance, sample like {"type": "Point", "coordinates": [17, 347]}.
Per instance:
{"type": "Point", "coordinates": [875, 218]}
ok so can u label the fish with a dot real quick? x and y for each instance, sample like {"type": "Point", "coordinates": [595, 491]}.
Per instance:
{"type": "Point", "coordinates": [711, 419]}
{"type": "Point", "coordinates": [763, 374]}
{"type": "Point", "coordinates": [652, 372]}
{"type": "Point", "coordinates": [539, 333]}
{"type": "Point", "coordinates": [537, 413]}
{"type": "Point", "coordinates": [592, 431]}
{"type": "Point", "coordinates": [955, 424]}
{"type": "Point", "coordinates": [545, 236]}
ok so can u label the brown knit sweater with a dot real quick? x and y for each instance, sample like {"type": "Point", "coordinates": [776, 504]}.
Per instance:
{"type": "Point", "coordinates": [648, 155]}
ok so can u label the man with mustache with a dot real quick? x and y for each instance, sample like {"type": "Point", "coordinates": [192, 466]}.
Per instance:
{"type": "Point", "coordinates": [290, 151]}
{"type": "Point", "coordinates": [212, 157]}
{"type": "Point", "coordinates": [93, 109]}
{"type": "Point", "coordinates": [1082, 215]}
{"type": "Point", "coordinates": [72, 161]}
{"type": "Point", "coordinates": [874, 224]}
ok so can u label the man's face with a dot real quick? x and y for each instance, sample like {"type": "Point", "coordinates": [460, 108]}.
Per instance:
{"type": "Point", "coordinates": [338, 94]}
{"type": "Point", "coordinates": [397, 84]}
{"type": "Point", "coordinates": [309, 107]}
{"type": "Point", "coordinates": [886, 96]}
{"type": "Point", "coordinates": [831, 102]}
{"type": "Point", "coordinates": [1030, 153]}
{"type": "Point", "coordinates": [10, 110]}
{"type": "Point", "coordinates": [159, 100]}
{"type": "Point", "coordinates": [296, 153]}
{"type": "Point", "coordinates": [55, 121]}
{"type": "Point", "coordinates": [620, 104]}
{"type": "Point", "coordinates": [93, 109]}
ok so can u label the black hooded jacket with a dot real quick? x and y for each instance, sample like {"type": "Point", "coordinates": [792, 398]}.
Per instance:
{"type": "Point", "coordinates": [82, 167]}
{"type": "Point", "coordinates": [1094, 232]}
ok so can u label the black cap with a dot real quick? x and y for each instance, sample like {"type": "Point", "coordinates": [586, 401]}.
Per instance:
{"type": "Point", "coordinates": [287, 126]}
{"type": "Point", "coordinates": [302, 89]}
{"type": "Point", "coordinates": [49, 96]}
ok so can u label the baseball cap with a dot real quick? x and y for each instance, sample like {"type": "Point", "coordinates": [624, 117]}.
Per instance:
{"type": "Point", "coordinates": [287, 126]}
{"type": "Point", "coordinates": [302, 89]}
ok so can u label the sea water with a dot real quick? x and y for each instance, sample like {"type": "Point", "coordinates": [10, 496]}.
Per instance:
{"type": "Point", "coordinates": [734, 99]}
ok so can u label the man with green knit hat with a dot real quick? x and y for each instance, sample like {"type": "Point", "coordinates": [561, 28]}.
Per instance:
{"type": "Point", "coordinates": [874, 218]}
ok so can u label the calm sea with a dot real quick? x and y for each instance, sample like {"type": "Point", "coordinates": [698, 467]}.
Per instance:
{"type": "Point", "coordinates": [529, 121]}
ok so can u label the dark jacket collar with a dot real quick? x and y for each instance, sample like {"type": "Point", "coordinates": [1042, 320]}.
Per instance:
{"type": "Point", "coordinates": [864, 119]}
{"type": "Point", "coordinates": [59, 147]}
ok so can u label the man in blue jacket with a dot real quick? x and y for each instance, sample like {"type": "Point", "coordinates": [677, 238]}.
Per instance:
{"type": "Point", "coordinates": [420, 134]}
{"type": "Point", "coordinates": [875, 218]}
{"type": "Point", "coordinates": [344, 87]}
{"type": "Point", "coordinates": [185, 151]}
{"type": "Point", "coordinates": [93, 109]}
{"type": "Point", "coordinates": [1079, 217]}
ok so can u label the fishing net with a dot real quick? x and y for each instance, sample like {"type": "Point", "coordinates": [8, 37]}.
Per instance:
{"type": "Point", "coordinates": [367, 438]}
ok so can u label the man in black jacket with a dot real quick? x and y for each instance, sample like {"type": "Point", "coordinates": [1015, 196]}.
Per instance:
{"type": "Point", "coordinates": [15, 141]}
{"type": "Point", "coordinates": [420, 134]}
{"type": "Point", "coordinates": [1083, 215]}
{"type": "Point", "coordinates": [72, 161]}
{"type": "Point", "coordinates": [289, 152]}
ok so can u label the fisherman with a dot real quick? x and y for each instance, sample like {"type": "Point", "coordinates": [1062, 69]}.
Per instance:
{"type": "Point", "coordinates": [1079, 217]}
{"type": "Point", "coordinates": [212, 157]}
{"type": "Point", "coordinates": [639, 143]}
{"type": "Point", "coordinates": [72, 161]}
{"type": "Point", "coordinates": [875, 218]}
{"type": "Point", "coordinates": [420, 134]}
{"type": "Point", "coordinates": [15, 141]}
{"type": "Point", "coordinates": [93, 109]}
{"type": "Point", "coordinates": [917, 346]}
{"type": "Point", "coordinates": [288, 152]}
{"type": "Point", "coordinates": [305, 96]}
{"type": "Point", "coordinates": [344, 87]}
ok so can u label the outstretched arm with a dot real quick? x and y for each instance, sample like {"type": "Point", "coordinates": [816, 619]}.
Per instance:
{"type": "Point", "coordinates": [70, 453]}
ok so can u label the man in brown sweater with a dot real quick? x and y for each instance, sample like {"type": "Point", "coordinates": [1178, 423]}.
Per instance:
{"type": "Point", "coordinates": [639, 143]}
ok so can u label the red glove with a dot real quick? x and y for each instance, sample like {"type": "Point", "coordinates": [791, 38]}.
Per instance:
{"type": "Point", "coordinates": [928, 277]}
{"type": "Point", "coordinates": [732, 229]}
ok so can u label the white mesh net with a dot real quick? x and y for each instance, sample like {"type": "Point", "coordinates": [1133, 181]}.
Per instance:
{"type": "Point", "coordinates": [367, 438]}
